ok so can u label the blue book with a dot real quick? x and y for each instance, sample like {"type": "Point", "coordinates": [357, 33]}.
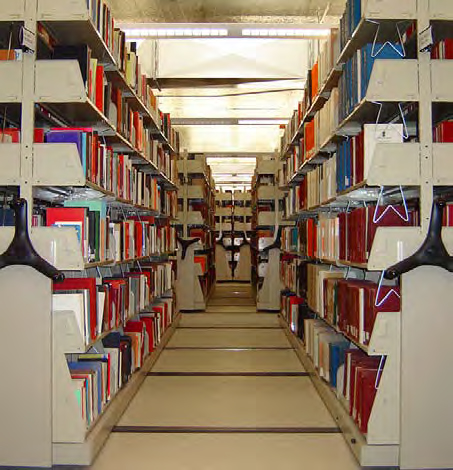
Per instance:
{"type": "Point", "coordinates": [83, 155]}
{"type": "Point", "coordinates": [337, 358]}
{"type": "Point", "coordinates": [339, 167]}
{"type": "Point", "coordinates": [7, 218]}
{"type": "Point", "coordinates": [96, 367]}
{"type": "Point", "coordinates": [357, 13]}
{"type": "Point", "coordinates": [348, 166]}
{"type": "Point", "coordinates": [66, 137]}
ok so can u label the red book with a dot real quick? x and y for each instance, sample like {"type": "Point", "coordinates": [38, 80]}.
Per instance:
{"type": "Point", "coordinates": [10, 135]}
{"type": "Point", "coordinates": [358, 361]}
{"type": "Point", "coordinates": [367, 393]}
{"type": "Point", "coordinates": [202, 261]}
{"type": "Point", "coordinates": [149, 325]}
{"type": "Point", "coordinates": [390, 219]}
{"type": "Point", "coordinates": [39, 136]}
{"type": "Point", "coordinates": [350, 354]}
{"type": "Point", "coordinates": [137, 327]}
{"type": "Point", "coordinates": [342, 305]}
{"type": "Point", "coordinates": [82, 284]}
{"type": "Point", "coordinates": [392, 303]}
{"type": "Point", "coordinates": [448, 47]}
{"type": "Point", "coordinates": [138, 233]}
{"type": "Point", "coordinates": [100, 78]}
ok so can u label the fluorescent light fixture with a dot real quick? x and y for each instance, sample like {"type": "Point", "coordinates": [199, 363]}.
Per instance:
{"type": "Point", "coordinates": [274, 84]}
{"type": "Point", "coordinates": [302, 33]}
{"type": "Point", "coordinates": [136, 31]}
{"type": "Point", "coordinates": [132, 34]}
{"type": "Point", "coordinates": [261, 122]}
{"type": "Point", "coordinates": [232, 159]}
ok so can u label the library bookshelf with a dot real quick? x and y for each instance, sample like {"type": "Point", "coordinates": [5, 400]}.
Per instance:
{"type": "Point", "coordinates": [196, 220]}
{"type": "Point", "coordinates": [408, 92]}
{"type": "Point", "coordinates": [233, 228]}
{"type": "Point", "coordinates": [121, 173]}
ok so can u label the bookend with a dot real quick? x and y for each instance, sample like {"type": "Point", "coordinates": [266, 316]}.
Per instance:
{"type": "Point", "coordinates": [185, 244]}
{"type": "Point", "coordinates": [276, 244]}
{"type": "Point", "coordinates": [268, 297]}
{"type": "Point", "coordinates": [243, 268]}
{"type": "Point", "coordinates": [188, 288]}
{"type": "Point", "coordinates": [245, 240]}
{"type": "Point", "coordinates": [219, 241]}
{"type": "Point", "coordinates": [431, 253]}
{"type": "Point", "coordinates": [21, 250]}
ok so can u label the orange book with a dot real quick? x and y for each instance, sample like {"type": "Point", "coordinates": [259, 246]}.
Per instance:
{"type": "Point", "coordinates": [7, 54]}
{"type": "Point", "coordinates": [309, 138]}
{"type": "Point", "coordinates": [314, 80]}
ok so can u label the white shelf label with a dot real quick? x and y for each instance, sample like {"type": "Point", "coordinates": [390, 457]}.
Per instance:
{"type": "Point", "coordinates": [28, 40]}
{"type": "Point", "coordinates": [425, 39]}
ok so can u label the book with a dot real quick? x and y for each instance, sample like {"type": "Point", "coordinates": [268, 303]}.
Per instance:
{"type": "Point", "coordinates": [87, 286]}
{"type": "Point", "coordinates": [71, 217]}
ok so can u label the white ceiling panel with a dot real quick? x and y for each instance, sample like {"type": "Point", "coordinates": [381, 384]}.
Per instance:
{"type": "Point", "coordinates": [224, 58]}
{"type": "Point", "coordinates": [231, 139]}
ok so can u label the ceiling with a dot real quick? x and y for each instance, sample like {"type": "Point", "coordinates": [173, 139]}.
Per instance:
{"type": "Point", "coordinates": [217, 79]}
{"type": "Point", "coordinates": [230, 11]}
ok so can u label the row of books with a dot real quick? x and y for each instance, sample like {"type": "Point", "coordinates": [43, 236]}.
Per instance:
{"type": "Point", "coordinates": [352, 305]}
{"type": "Point", "coordinates": [103, 166]}
{"type": "Point", "coordinates": [352, 374]}
{"type": "Point", "coordinates": [104, 304]}
{"type": "Point", "coordinates": [100, 373]}
{"type": "Point", "coordinates": [291, 268]}
{"type": "Point", "coordinates": [103, 239]}
{"type": "Point", "coordinates": [355, 155]}
{"type": "Point", "coordinates": [353, 83]}
{"type": "Point", "coordinates": [124, 53]}
{"type": "Point", "coordinates": [325, 123]}
{"type": "Point", "coordinates": [443, 132]}
{"type": "Point", "coordinates": [349, 236]}
{"type": "Point", "coordinates": [291, 306]}
{"type": "Point", "coordinates": [290, 239]}
{"type": "Point", "coordinates": [357, 228]}
{"type": "Point", "coordinates": [316, 188]}
{"type": "Point", "coordinates": [321, 184]}
{"type": "Point", "coordinates": [115, 103]}
{"type": "Point", "coordinates": [350, 165]}
{"type": "Point", "coordinates": [327, 58]}
{"type": "Point", "coordinates": [114, 171]}
{"type": "Point", "coordinates": [350, 20]}
{"type": "Point", "coordinates": [443, 49]}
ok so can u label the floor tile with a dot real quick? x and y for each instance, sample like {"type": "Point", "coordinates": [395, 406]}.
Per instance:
{"type": "Point", "coordinates": [230, 309]}
{"type": "Point", "coordinates": [225, 452]}
{"type": "Point", "coordinates": [228, 361]}
{"type": "Point", "coordinates": [227, 319]}
{"type": "Point", "coordinates": [227, 401]}
{"type": "Point", "coordinates": [236, 338]}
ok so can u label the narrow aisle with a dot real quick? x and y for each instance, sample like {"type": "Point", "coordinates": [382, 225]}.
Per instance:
{"type": "Point", "coordinates": [227, 392]}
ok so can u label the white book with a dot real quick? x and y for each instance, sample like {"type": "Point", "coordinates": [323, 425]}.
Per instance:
{"type": "Point", "coordinates": [100, 312]}
{"type": "Point", "coordinates": [74, 302]}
